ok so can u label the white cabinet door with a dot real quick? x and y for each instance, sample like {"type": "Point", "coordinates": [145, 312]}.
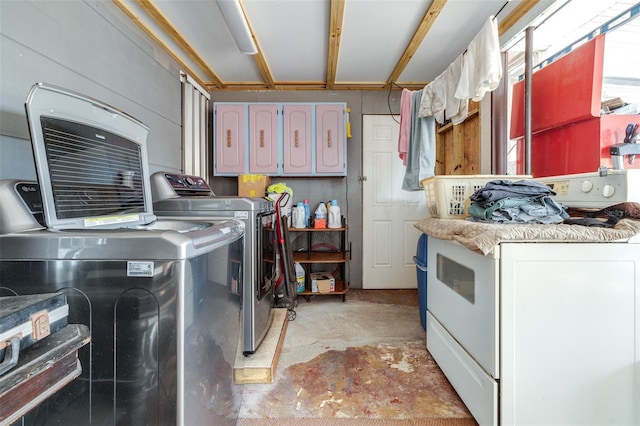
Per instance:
{"type": "Point", "coordinates": [570, 328]}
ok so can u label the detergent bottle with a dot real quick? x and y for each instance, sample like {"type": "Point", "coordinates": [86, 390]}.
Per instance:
{"type": "Point", "coordinates": [334, 219]}
{"type": "Point", "coordinates": [320, 216]}
{"type": "Point", "coordinates": [298, 216]}
{"type": "Point", "coordinates": [299, 277]}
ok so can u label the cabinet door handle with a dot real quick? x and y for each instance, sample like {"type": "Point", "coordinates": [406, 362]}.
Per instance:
{"type": "Point", "coordinates": [328, 138]}
{"type": "Point", "coordinates": [228, 138]}
{"type": "Point", "coordinates": [261, 138]}
{"type": "Point", "coordinates": [295, 139]}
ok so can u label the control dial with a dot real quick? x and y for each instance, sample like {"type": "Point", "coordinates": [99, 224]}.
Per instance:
{"type": "Point", "coordinates": [586, 186]}
{"type": "Point", "coordinates": [608, 191]}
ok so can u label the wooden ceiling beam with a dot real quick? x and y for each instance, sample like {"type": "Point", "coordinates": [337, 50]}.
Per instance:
{"type": "Point", "coordinates": [427, 22]}
{"type": "Point", "coordinates": [511, 19]}
{"type": "Point", "coordinates": [335, 35]}
{"type": "Point", "coordinates": [311, 85]}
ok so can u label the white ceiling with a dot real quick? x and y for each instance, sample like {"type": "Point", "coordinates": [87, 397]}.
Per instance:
{"type": "Point", "coordinates": [408, 42]}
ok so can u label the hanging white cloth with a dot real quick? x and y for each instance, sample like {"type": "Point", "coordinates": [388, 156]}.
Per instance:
{"type": "Point", "coordinates": [482, 66]}
{"type": "Point", "coordinates": [456, 109]}
{"type": "Point", "coordinates": [434, 99]}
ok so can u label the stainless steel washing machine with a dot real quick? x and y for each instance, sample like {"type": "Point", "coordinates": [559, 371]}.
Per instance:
{"type": "Point", "coordinates": [183, 196]}
{"type": "Point", "coordinates": [162, 298]}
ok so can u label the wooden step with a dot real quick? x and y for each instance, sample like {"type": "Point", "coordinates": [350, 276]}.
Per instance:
{"type": "Point", "coordinates": [260, 367]}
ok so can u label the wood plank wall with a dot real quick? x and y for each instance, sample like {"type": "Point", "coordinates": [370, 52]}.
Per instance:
{"type": "Point", "coordinates": [458, 146]}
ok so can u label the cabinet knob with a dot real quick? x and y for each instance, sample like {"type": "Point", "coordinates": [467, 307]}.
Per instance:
{"type": "Point", "coordinates": [328, 138]}
{"type": "Point", "coordinates": [261, 138]}
{"type": "Point", "coordinates": [295, 139]}
{"type": "Point", "coordinates": [228, 138]}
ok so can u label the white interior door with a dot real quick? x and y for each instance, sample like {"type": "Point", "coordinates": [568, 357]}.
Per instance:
{"type": "Point", "coordinates": [389, 237]}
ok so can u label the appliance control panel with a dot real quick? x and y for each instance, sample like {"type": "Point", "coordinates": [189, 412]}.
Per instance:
{"type": "Point", "coordinates": [30, 194]}
{"type": "Point", "coordinates": [191, 184]}
{"type": "Point", "coordinates": [595, 190]}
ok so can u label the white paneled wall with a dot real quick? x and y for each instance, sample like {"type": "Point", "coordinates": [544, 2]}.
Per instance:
{"type": "Point", "coordinates": [92, 48]}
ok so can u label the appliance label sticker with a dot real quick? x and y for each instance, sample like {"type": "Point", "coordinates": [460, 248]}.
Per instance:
{"type": "Point", "coordinates": [139, 269]}
{"type": "Point", "coordinates": [241, 215]}
{"type": "Point", "coordinates": [109, 220]}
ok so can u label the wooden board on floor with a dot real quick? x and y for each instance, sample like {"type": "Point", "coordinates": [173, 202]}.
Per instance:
{"type": "Point", "coordinates": [260, 367]}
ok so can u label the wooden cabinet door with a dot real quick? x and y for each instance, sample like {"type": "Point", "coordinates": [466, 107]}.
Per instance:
{"type": "Point", "coordinates": [297, 139]}
{"type": "Point", "coordinates": [263, 139]}
{"type": "Point", "coordinates": [330, 139]}
{"type": "Point", "coordinates": [230, 139]}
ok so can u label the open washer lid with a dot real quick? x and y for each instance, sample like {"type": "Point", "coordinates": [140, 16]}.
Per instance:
{"type": "Point", "coordinates": [91, 161]}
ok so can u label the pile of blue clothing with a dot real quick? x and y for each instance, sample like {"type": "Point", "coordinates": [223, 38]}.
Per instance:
{"type": "Point", "coordinates": [522, 201]}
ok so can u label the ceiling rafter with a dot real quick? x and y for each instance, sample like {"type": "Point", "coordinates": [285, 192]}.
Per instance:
{"type": "Point", "coordinates": [148, 15]}
{"type": "Point", "coordinates": [425, 25]}
{"type": "Point", "coordinates": [258, 58]}
{"type": "Point", "coordinates": [131, 15]}
{"type": "Point", "coordinates": [169, 29]}
{"type": "Point", "coordinates": [335, 34]}
{"type": "Point", "coordinates": [515, 15]}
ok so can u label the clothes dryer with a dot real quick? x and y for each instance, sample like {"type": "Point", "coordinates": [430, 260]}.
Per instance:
{"type": "Point", "coordinates": [184, 196]}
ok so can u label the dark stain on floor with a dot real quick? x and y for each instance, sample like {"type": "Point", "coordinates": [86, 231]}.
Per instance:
{"type": "Point", "coordinates": [400, 381]}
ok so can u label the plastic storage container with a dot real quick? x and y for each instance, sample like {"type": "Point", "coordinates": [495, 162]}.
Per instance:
{"type": "Point", "coordinates": [420, 260]}
{"type": "Point", "coordinates": [448, 196]}
{"type": "Point", "coordinates": [334, 217]}
{"type": "Point", "coordinates": [298, 216]}
{"type": "Point", "coordinates": [321, 216]}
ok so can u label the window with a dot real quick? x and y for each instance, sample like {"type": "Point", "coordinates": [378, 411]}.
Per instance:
{"type": "Point", "coordinates": [195, 152]}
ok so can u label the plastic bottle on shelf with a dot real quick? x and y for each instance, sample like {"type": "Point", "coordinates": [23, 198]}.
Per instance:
{"type": "Point", "coordinates": [334, 219]}
{"type": "Point", "coordinates": [299, 277]}
{"type": "Point", "coordinates": [307, 213]}
{"type": "Point", "coordinates": [320, 216]}
{"type": "Point", "coordinates": [298, 216]}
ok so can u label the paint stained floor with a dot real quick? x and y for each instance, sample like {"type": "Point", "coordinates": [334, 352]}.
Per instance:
{"type": "Point", "coordinates": [364, 358]}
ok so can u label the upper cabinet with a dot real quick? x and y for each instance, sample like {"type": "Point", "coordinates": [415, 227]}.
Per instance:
{"type": "Point", "coordinates": [280, 139]}
{"type": "Point", "coordinates": [330, 136]}
{"type": "Point", "coordinates": [297, 139]}
{"type": "Point", "coordinates": [263, 139]}
{"type": "Point", "coordinates": [230, 137]}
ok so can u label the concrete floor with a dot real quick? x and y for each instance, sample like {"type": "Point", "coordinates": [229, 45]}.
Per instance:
{"type": "Point", "coordinates": [364, 358]}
